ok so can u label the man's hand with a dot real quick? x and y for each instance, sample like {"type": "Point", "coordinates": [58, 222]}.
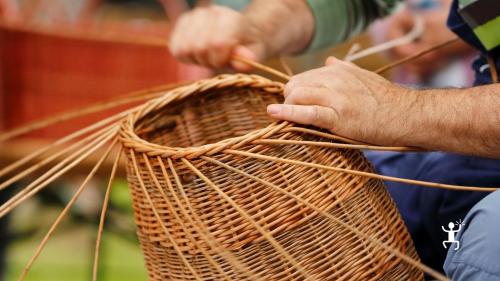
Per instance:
{"type": "Point", "coordinates": [435, 32]}
{"type": "Point", "coordinates": [348, 101]}
{"type": "Point", "coordinates": [210, 35]}
{"type": "Point", "coordinates": [361, 105]}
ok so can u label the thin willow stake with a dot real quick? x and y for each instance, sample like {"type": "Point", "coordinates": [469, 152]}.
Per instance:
{"type": "Point", "coordinates": [64, 140]}
{"type": "Point", "coordinates": [286, 67]}
{"type": "Point", "coordinates": [244, 214]}
{"type": "Point", "coordinates": [351, 228]}
{"type": "Point", "coordinates": [64, 212]}
{"type": "Point", "coordinates": [262, 67]}
{"type": "Point", "coordinates": [414, 34]}
{"type": "Point", "coordinates": [158, 217]}
{"type": "Point", "coordinates": [335, 145]}
{"type": "Point", "coordinates": [228, 256]}
{"type": "Point", "coordinates": [417, 55]}
{"type": "Point", "coordinates": [179, 220]}
{"type": "Point", "coordinates": [36, 186]}
{"type": "Point", "coordinates": [52, 157]}
{"type": "Point", "coordinates": [133, 97]}
{"type": "Point", "coordinates": [102, 218]}
{"type": "Point", "coordinates": [360, 173]}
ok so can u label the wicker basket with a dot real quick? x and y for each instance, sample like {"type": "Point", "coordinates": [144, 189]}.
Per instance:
{"type": "Point", "coordinates": [205, 174]}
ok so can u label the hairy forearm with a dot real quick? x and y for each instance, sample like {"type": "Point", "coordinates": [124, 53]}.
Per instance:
{"type": "Point", "coordinates": [456, 120]}
{"type": "Point", "coordinates": [286, 26]}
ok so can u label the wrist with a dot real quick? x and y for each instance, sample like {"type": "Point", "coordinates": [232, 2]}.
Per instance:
{"type": "Point", "coordinates": [435, 120]}
{"type": "Point", "coordinates": [275, 31]}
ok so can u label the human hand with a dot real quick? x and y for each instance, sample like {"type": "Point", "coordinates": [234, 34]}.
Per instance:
{"type": "Point", "coordinates": [435, 32]}
{"type": "Point", "coordinates": [211, 35]}
{"type": "Point", "coordinates": [349, 101]}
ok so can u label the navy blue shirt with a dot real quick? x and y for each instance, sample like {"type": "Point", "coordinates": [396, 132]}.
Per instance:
{"type": "Point", "coordinates": [425, 210]}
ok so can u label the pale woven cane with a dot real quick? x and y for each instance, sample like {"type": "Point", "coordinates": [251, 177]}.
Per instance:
{"type": "Point", "coordinates": [211, 177]}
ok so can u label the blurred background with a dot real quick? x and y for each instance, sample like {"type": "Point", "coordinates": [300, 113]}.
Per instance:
{"type": "Point", "coordinates": [60, 55]}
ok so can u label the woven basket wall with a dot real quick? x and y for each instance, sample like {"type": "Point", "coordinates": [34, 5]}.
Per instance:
{"type": "Point", "coordinates": [189, 230]}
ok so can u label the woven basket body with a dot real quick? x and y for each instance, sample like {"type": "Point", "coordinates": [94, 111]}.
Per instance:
{"type": "Point", "coordinates": [207, 206]}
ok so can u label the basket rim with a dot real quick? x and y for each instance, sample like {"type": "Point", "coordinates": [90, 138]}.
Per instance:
{"type": "Point", "coordinates": [130, 139]}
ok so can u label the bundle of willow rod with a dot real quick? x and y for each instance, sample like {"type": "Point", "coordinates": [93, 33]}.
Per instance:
{"type": "Point", "coordinates": [222, 192]}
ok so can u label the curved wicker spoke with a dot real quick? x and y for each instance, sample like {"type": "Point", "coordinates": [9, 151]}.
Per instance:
{"type": "Point", "coordinates": [52, 157]}
{"type": "Point", "coordinates": [351, 228]}
{"type": "Point", "coordinates": [322, 134]}
{"type": "Point", "coordinates": [70, 115]}
{"type": "Point", "coordinates": [360, 173]}
{"type": "Point", "coordinates": [55, 172]}
{"type": "Point", "coordinates": [102, 218]}
{"type": "Point", "coordinates": [185, 214]}
{"type": "Point", "coordinates": [254, 223]}
{"type": "Point", "coordinates": [417, 55]}
{"type": "Point", "coordinates": [158, 217]}
{"type": "Point", "coordinates": [334, 145]}
{"type": "Point", "coordinates": [65, 211]}
{"type": "Point", "coordinates": [262, 67]}
{"type": "Point", "coordinates": [98, 107]}
{"type": "Point", "coordinates": [64, 140]}
{"type": "Point", "coordinates": [286, 67]}
{"type": "Point", "coordinates": [415, 33]}
{"type": "Point", "coordinates": [196, 220]}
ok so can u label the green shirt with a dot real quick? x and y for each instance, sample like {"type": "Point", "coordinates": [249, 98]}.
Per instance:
{"type": "Point", "coordinates": [335, 20]}
{"type": "Point", "coordinates": [338, 20]}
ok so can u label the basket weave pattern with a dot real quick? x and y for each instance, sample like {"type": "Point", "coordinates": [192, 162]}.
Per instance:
{"type": "Point", "coordinates": [203, 203]}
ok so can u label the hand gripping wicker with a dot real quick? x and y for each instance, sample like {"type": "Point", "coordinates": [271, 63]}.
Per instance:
{"type": "Point", "coordinates": [221, 192]}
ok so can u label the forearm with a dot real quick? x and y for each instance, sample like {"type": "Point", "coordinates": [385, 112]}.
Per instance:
{"type": "Point", "coordinates": [456, 120]}
{"type": "Point", "coordinates": [286, 26]}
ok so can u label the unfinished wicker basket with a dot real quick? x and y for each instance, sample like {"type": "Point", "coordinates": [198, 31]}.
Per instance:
{"type": "Point", "coordinates": [220, 191]}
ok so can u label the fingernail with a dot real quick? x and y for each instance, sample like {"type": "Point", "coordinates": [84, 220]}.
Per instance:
{"type": "Point", "coordinates": [274, 109]}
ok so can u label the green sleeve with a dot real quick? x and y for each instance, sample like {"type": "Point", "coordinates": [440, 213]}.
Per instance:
{"type": "Point", "coordinates": [338, 20]}
{"type": "Point", "coordinates": [234, 4]}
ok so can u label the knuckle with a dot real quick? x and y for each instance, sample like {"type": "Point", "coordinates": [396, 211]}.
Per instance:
{"type": "Point", "coordinates": [295, 95]}
{"type": "Point", "coordinates": [343, 110]}
{"type": "Point", "coordinates": [291, 112]}
{"type": "Point", "coordinates": [315, 114]}
{"type": "Point", "coordinates": [289, 88]}
{"type": "Point", "coordinates": [220, 43]}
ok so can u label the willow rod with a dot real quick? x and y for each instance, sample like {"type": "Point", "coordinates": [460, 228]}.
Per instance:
{"type": "Point", "coordinates": [63, 140]}
{"type": "Point", "coordinates": [51, 175]}
{"type": "Point", "coordinates": [158, 217]}
{"type": "Point", "coordinates": [98, 107]}
{"type": "Point", "coordinates": [64, 212]}
{"type": "Point", "coordinates": [360, 173]}
{"type": "Point", "coordinates": [172, 210]}
{"type": "Point", "coordinates": [417, 55]}
{"type": "Point", "coordinates": [102, 219]}
{"type": "Point", "coordinates": [244, 214]}
{"type": "Point", "coordinates": [228, 255]}
{"type": "Point", "coordinates": [353, 229]}
{"type": "Point", "coordinates": [51, 158]}
{"type": "Point", "coordinates": [334, 145]}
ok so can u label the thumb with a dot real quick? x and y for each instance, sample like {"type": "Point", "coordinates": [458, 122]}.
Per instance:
{"type": "Point", "coordinates": [248, 52]}
{"type": "Point", "coordinates": [319, 116]}
{"type": "Point", "coordinates": [331, 60]}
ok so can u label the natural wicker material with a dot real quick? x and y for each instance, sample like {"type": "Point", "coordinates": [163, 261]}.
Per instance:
{"type": "Point", "coordinates": [201, 242]}
{"type": "Point", "coordinates": [213, 181]}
